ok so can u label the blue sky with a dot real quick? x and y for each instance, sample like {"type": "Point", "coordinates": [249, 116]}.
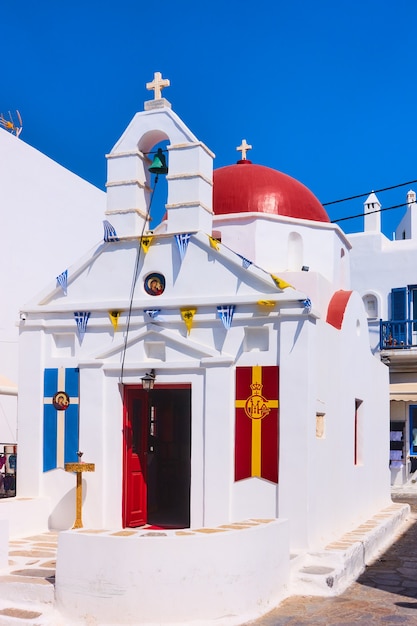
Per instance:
{"type": "Point", "coordinates": [325, 91]}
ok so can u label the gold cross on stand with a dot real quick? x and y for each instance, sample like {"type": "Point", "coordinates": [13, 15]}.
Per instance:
{"type": "Point", "coordinates": [79, 468]}
{"type": "Point", "coordinates": [157, 85]}
{"type": "Point", "coordinates": [243, 148]}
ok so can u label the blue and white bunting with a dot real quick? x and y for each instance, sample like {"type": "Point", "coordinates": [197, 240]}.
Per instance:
{"type": "Point", "coordinates": [62, 281]}
{"type": "Point", "coordinates": [245, 262]}
{"type": "Point", "coordinates": [152, 312]}
{"type": "Point", "coordinates": [109, 232]}
{"type": "Point", "coordinates": [81, 317]}
{"type": "Point", "coordinates": [307, 305]}
{"type": "Point", "coordinates": [182, 240]}
{"type": "Point", "coordinates": [226, 314]}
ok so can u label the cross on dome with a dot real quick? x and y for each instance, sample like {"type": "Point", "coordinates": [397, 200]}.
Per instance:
{"type": "Point", "coordinates": [157, 85]}
{"type": "Point", "coordinates": [243, 148]}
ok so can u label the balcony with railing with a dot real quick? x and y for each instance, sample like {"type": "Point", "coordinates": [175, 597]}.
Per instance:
{"type": "Point", "coordinates": [398, 334]}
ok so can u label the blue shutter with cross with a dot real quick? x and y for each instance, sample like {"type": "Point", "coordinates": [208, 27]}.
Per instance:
{"type": "Point", "coordinates": [60, 417]}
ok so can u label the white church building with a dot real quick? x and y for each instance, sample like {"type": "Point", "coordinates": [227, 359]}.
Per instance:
{"type": "Point", "coordinates": [215, 373]}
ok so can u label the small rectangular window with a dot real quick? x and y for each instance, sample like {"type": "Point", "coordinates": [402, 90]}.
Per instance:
{"type": "Point", "coordinates": [320, 426]}
{"type": "Point", "coordinates": [357, 445]}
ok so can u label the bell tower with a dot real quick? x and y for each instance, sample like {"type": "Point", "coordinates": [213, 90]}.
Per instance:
{"type": "Point", "coordinates": [189, 171]}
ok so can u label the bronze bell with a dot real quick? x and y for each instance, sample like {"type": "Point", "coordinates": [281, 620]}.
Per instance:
{"type": "Point", "coordinates": [159, 163]}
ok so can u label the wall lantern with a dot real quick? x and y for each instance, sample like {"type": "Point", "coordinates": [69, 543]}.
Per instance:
{"type": "Point", "coordinates": [148, 380]}
{"type": "Point", "coordinates": [305, 268]}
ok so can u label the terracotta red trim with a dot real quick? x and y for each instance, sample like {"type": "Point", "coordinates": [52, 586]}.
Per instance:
{"type": "Point", "coordinates": [337, 307]}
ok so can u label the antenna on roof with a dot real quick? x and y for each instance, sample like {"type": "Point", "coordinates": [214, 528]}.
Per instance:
{"type": "Point", "coordinates": [10, 125]}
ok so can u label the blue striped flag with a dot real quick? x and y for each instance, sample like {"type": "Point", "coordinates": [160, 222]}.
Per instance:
{"type": "Point", "coordinates": [307, 305]}
{"type": "Point", "coordinates": [109, 232]}
{"type": "Point", "coordinates": [81, 317]}
{"type": "Point", "coordinates": [153, 312]}
{"type": "Point", "coordinates": [245, 262]}
{"type": "Point", "coordinates": [62, 281]}
{"type": "Point", "coordinates": [226, 314]}
{"type": "Point", "coordinates": [182, 240]}
{"type": "Point", "coordinates": [60, 417]}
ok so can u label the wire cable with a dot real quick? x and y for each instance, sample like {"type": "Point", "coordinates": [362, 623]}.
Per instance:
{"type": "Point", "coordinates": [361, 195]}
{"type": "Point", "coordinates": [135, 276]}
{"type": "Point", "coordinates": [388, 208]}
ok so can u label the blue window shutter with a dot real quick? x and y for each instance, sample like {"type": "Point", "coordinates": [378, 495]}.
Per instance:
{"type": "Point", "coordinates": [399, 303]}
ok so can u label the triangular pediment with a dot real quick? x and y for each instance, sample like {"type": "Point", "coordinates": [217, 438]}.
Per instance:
{"type": "Point", "coordinates": [152, 344]}
{"type": "Point", "coordinates": [114, 276]}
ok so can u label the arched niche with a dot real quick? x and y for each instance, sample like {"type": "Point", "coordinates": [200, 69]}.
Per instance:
{"type": "Point", "coordinates": [295, 251]}
{"type": "Point", "coordinates": [371, 303]}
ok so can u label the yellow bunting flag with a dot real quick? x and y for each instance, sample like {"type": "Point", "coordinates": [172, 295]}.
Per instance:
{"type": "Point", "coordinates": [281, 284]}
{"type": "Point", "coordinates": [188, 316]}
{"type": "Point", "coordinates": [214, 243]}
{"type": "Point", "coordinates": [114, 318]}
{"type": "Point", "coordinates": [145, 243]}
{"type": "Point", "coordinates": [269, 303]}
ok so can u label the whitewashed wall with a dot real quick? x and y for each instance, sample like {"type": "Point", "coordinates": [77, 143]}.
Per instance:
{"type": "Point", "coordinates": [50, 217]}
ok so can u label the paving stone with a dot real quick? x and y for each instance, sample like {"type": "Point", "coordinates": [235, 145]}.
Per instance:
{"type": "Point", "coordinates": [409, 584]}
{"type": "Point", "coordinates": [407, 571]}
{"type": "Point", "coordinates": [23, 579]}
{"type": "Point", "coordinates": [32, 572]}
{"type": "Point", "coordinates": [33, 553]}
{"type": "Point", "coordinates": [20, 613]}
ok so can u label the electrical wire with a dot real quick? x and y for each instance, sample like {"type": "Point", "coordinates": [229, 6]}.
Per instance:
{"type": "Point", "coordinates": [388, 208]}
{"type": "Point", "coordinates": [135, 276]}
{"type": "Point", "coordinates": [361, 195]}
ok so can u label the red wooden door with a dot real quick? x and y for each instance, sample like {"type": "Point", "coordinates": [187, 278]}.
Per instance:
{"type": "Point", "coordinates": [136, 413]}
{"type": "Point", "coordinates": [157, 454]}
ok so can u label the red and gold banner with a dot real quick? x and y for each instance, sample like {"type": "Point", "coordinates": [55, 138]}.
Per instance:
{"type": "Point", "coordinates": [256, 435]}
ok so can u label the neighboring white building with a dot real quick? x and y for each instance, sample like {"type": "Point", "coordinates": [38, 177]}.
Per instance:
{"type": "Point", "coordinates": [384, 273]}
{"type": "Point", "coordinates": [50, 217]}
{"type": "Point", "coordinates": [266, 434]}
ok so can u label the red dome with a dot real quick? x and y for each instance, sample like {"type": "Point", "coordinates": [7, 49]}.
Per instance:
{"type": "Point", "coordinates": [246, 188]}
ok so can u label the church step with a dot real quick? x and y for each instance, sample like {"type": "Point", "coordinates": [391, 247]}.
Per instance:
{"type": "Point", "coordinates": [25, 589]}
{"type": "Point", "coordinates": [330, 571]}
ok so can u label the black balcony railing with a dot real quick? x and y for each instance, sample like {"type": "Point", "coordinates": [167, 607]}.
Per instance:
{"type": "Point", "coordinates": [401, 334]}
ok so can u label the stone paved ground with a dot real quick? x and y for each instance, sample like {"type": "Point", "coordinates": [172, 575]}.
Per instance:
{"type": "Point", "coordinates": [384, 595]}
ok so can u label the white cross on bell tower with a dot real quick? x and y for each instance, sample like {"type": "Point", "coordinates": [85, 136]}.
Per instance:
{"type": "Point", "coordinates": [156, 85]}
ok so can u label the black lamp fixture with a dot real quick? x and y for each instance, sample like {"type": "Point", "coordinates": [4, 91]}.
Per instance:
{"type": "Point", "coordinates": [148, 381]}
{"type": "Point", "coordinates": [305, 268]}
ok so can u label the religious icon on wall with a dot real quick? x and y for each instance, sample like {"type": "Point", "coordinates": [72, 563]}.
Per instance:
{"type": "Point", "coordinates": [61, 401]}
{"type": "Point", "coordinates": [154, 284]}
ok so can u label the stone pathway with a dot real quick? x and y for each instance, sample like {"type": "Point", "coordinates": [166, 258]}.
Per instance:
{"type": "Point", "coordinates": [385, 594]}
{"type": "Point", "coordinates": [27, 586]}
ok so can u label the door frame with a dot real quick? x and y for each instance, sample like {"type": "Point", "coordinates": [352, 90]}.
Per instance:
{"type": "Point", "coordinates": [127, 390]}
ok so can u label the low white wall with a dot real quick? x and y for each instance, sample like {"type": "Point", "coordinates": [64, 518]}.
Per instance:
{"type": "Point", "coordinates": [25, 516]}
{"type": "Point", "coordinates": [231, 573]}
